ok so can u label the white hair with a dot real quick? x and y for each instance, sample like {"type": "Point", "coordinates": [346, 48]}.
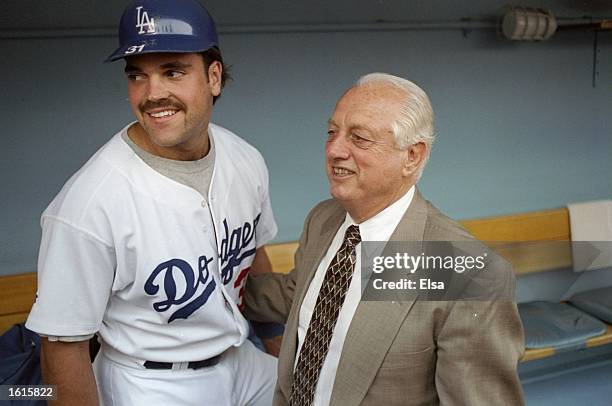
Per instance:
{"type": "Point", "coordinates": [416, 119]}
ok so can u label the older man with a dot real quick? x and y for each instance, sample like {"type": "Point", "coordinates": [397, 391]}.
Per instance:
{"type": "Point", "coordinates": [340, 350]}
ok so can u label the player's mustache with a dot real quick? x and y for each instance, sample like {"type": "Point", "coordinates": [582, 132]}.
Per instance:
{"type": "Point", "coordinates": [162, 103]}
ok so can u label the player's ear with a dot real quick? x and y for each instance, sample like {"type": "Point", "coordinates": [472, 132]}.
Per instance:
{"type": "Point", "coordinates": [215, 72]}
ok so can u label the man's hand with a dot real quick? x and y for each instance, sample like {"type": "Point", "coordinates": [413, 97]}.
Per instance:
{"type": "Point", "coordinates": [273, 345]}
{"type": "Point", "coordinates": [68, 366]}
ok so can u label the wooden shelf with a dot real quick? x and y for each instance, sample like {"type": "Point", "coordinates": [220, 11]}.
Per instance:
{"type": "Point", "coordinates": [17, 293]}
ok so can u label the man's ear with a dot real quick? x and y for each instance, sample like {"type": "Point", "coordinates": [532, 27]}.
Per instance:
{"type": "Point", "coordinates": [215, 70]}
{"type": "Point", "coordinates": [415, 157]}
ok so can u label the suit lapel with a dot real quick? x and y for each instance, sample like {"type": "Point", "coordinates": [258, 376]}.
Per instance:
{"type": "Point", "coordinates": [313, 255]}
{"type": "Point", "coordinates": [375, 324]}
{"type": "Point", "coordinates": [318, 251]}
{"type": "Point", "coordinates": [412, 225]}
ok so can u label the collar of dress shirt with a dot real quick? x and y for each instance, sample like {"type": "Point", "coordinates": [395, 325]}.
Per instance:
{"type": "Point", "coordinates": [381, 226]}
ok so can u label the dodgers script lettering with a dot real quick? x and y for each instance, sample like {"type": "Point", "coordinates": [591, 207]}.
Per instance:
{"type": "Point", "coordinates": [192, 285]}
{"type": "Point", "coordinates": [234, 247]}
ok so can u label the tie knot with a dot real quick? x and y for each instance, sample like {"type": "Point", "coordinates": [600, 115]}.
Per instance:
{"type": "Point", "coordinates": [352, 236]}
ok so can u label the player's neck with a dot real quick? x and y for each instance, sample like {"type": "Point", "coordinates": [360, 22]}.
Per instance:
{"type": "Point", "coordinates": [192, 151]}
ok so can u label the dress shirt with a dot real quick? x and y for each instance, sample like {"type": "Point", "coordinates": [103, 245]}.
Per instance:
{"type": "Point", "coordinates": [378, 228]}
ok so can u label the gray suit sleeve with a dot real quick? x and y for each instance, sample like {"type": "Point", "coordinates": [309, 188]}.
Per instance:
{"type": "Point", "coordinates": [479, 347]}
{"type": "Point", "coordinates": [269, 296]}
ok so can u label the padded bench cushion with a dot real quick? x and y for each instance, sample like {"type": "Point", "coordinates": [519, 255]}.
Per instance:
{"type": "Point", "coordinates": [557, 325]}
{"type": "Point", "coordinates": [597, 302]}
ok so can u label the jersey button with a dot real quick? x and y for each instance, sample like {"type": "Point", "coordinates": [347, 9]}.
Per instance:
{"type": "Point", "coordinates": [203, 203]}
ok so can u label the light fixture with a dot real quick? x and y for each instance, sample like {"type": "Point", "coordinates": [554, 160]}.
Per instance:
{"type": "Point", "coordinates": [528, 24]}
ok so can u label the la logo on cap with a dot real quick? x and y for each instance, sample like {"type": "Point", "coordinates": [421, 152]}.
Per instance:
{"type": "Point", "coordinates": [142, 21]}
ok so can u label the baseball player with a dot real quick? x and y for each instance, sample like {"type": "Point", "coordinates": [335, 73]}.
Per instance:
{"type": "Point", "coordinates": [149, 244]}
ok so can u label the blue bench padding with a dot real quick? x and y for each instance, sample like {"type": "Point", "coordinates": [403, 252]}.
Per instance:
{"type": "Point", "coordinates": [597, 302]}
{"type": "Point", "coordinates": [558, 325]}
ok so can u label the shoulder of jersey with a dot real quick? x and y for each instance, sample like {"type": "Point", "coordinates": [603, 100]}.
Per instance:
{"type": "Point", "coordinates": [94, 179]}
{"type": "Point", "coordinates": [234, 145]}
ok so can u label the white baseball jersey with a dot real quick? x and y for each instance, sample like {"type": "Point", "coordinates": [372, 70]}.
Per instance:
{"type": "Point", "coordinates": [145, 261]}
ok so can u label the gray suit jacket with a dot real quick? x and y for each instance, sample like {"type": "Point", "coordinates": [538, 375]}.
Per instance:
{"type": "Point", "coordinates": [400, 353]}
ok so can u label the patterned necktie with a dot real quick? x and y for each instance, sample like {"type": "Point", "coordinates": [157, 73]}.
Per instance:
{"type": "Point", "coordinates": [331, 297]}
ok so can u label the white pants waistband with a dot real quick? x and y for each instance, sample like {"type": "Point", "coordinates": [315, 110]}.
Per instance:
{"type": "Point", "coordinates": [133, 362]}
